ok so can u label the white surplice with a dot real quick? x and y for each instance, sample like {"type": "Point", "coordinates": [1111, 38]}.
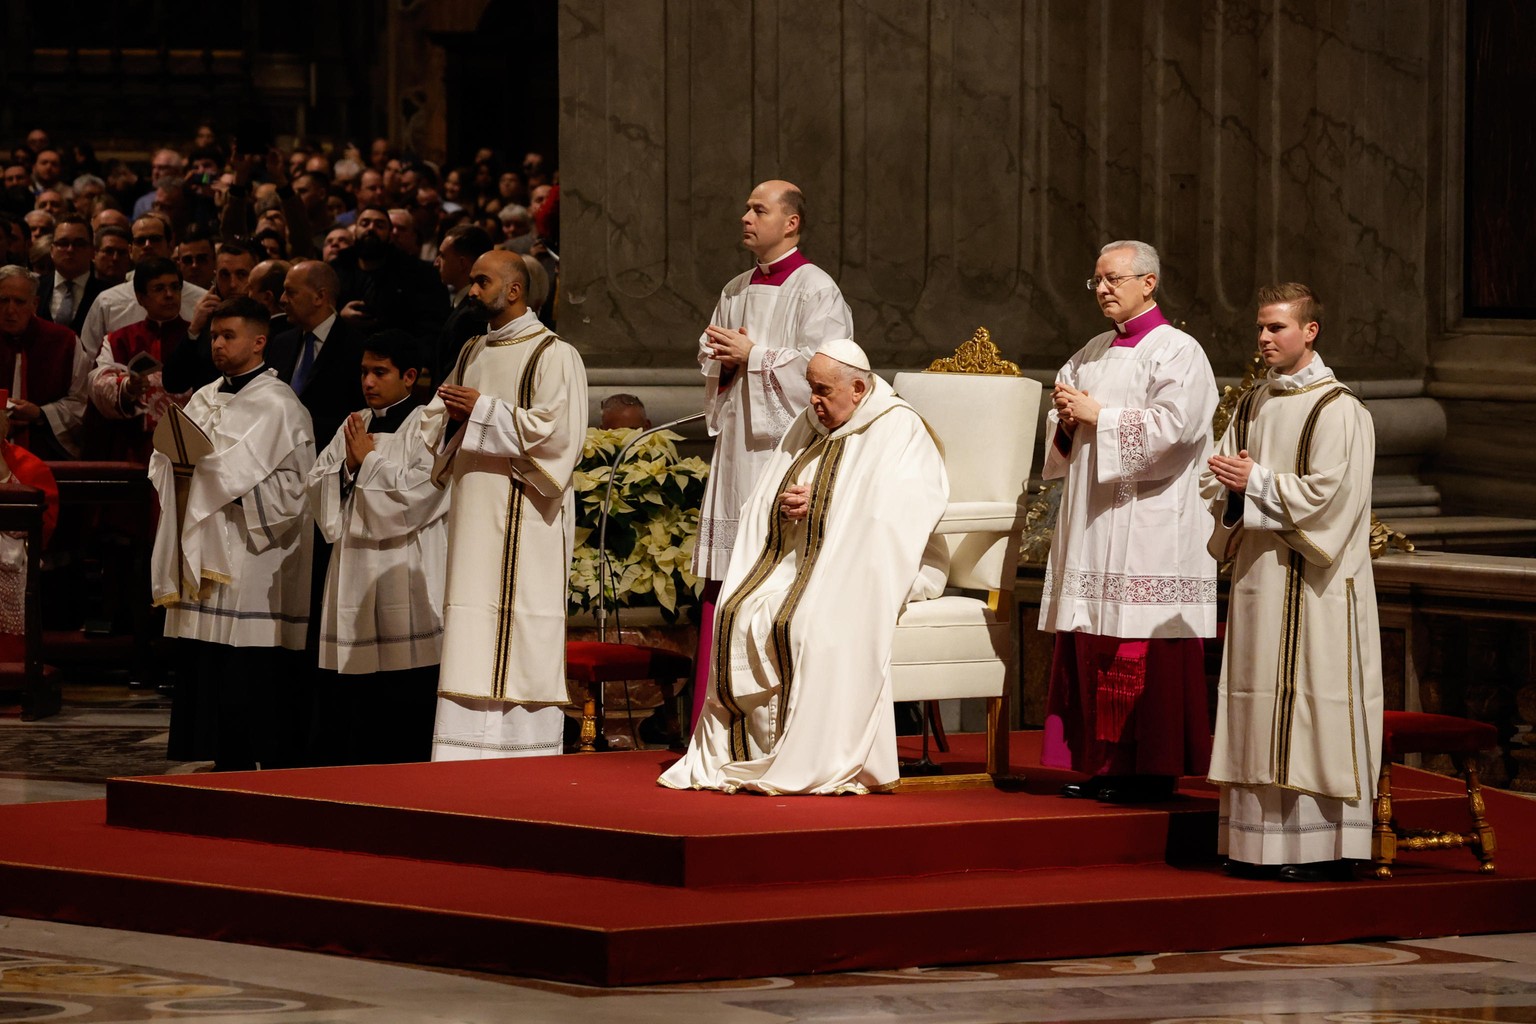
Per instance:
{"type": "Point", "coordinates": [1128, 555]}
{"type": "Point", "coordinates": [1298, 727]}
{"type": "Point", "coordinates": [242, 578]}
{"type": "Point", "coordinates": [800, 687]}
{"type": "Point", "coordinates": [511, 531]}
{"type": "Point", "coordinates": [383, 608]}
{"type": "Point", "coordinates": [787, 316]}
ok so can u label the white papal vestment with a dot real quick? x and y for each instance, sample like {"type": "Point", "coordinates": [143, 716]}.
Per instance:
{"type": "Point", "coordinates": [1298, 726]}
{"type": "Point", "coordinates": [511, 531]}
{"type": "Point", "coordinates": [799, 694]}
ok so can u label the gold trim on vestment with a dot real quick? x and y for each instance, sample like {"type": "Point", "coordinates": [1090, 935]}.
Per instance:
{"type": "Point", "coordinates": [816, 533]}
{"type": "Point", "coordinates": [499, 342]}
{"type": "Point", "coordinates": [1349, 676]}
{"type": "Point", "coordinates": [767, 560]}
{"type": "Point", "coordinates": [1280, 392]}
{"type": "Point", "coordinates": [166, 600]}
{"type": "Point", "coordinates": [511, 544]}
{"type": "Point", "coordinates": [506, 700]}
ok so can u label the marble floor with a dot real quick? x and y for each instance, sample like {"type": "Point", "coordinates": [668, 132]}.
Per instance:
{"type": "Point", "coordinates": [63, 972]}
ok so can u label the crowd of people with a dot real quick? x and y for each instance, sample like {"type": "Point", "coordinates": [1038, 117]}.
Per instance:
{"type": "Point", "coordinates": [368, 467]}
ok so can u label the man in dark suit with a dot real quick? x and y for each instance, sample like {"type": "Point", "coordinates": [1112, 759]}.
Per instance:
{"type": "Point", "coordinates": [461, 246]}
{"type": "Point", "coordinates": [65, 294]}
{"type": "Point", "coordinates": [320, 355]}
{"type": "Point", "coordinates": [383, 287]}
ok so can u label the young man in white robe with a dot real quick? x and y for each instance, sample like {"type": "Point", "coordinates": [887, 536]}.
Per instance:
{"type": "Point", "coordinates": [831, 542]}
{"type": "Point", "coordinates": [762, 333]}
{"type": "Point", "coordinates": [381, 625]}
{"type": "Point", "coordinates": [1298, 725]}
{"type": "Point", "coordinates": [233, 574]}
{"type": "Point", "coordinates": [1130, 591]}
{"type": "Point", "coordinates": [507, 427]}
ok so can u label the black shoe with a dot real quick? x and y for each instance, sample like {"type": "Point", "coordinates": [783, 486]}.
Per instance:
{"type": "Point", "coordinates": [1089, 789]}
{"type": "Point", "coordinates": [1253, 872]}
{"type": "Point", "coordinates": [1318, 871]}
{"type": "Point", "coordinates": [1138, 789]}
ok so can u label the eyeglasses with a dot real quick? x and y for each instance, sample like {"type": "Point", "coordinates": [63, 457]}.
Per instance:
{"type": "Point", "coordinates": [1113, 280]}
{"type": "Point", "coordinates": [194, 258]}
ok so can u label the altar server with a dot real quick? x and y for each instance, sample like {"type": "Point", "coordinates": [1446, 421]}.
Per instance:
{"type": "Point", "coordinates": [233, 574]}
{"type": "Point", "coordinates": [373, 499]}
{"type": "Point", "coordinates": [508, 427]}
{"type": "Point", "coordinates": [1129, 588]}
{"type": "Point", "coordinates": [1298, 726]}
{"type": "Point", "coordinates": [831, 542]}
{"type": "Point", "coordinates": [765, 328]}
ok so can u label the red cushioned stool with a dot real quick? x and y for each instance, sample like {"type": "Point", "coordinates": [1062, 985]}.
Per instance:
{"type": "Point", "coordinates": [593, 663]}
{"type": "Point", "coordinates": [1415, 732]}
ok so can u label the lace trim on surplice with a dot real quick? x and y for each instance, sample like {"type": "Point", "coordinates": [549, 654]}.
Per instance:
{"type": "Point", "coordinates": [1124, 589]}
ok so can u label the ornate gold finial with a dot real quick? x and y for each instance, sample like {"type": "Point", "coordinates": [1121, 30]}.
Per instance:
{"type": "Point", "coordinates": [1383, 537]}
{"type": "Point", "coordinates": [979, 355]}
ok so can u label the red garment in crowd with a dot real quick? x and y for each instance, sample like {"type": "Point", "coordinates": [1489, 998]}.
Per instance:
{"type": "Point", "coordinates": [37, 365]}
{"type": "Point", "coordinates": [118, 433]}
{"type": "Point", "coordinates": [28, 469]}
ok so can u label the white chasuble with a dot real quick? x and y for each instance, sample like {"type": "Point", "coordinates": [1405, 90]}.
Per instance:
{"type": "Point", "coordinates": [1128, 555]}
{"type": "Point", "coordinates": [243, 571]}
{"type": "Point", "coordinates": [511, 524]}
{"type": "Point", "coordinates": [799, 697]}
{"type": "Point", "coordinates": [788, 309]}
{"type": "Point", "coordinates": [383, 608]}
{"type": "Point", "coordinates": [1299, 717]}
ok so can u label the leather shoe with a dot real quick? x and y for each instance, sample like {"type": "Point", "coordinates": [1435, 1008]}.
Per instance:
{"type": "Point", "coordinates": [1138, 789]}
{"type": "Point", "coordinates": [1253, 872]}
{"type": "Point", "coordinates": [1318, 871]}
{"type": "Point", "coordinates": [1088, 789]}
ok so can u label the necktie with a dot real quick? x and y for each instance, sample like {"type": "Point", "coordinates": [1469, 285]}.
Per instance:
{"type": "Point", "coordinates": [306, 363]}
{"type": "Point", "coordinates": [66, 314]}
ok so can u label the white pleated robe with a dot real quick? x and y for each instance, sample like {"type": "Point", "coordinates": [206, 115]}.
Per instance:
{"type": "Point", "coordinates": [383, 608]}
{"type": "Point", "coordinates": [1298, 727]}
{"type": "Point", "coordinates": [1128, 555]}
{"type": "Point", "coordinates": [787, 316]}
{"type": "Point", "coordinates": [800, 685]}
{"type": "Point", "coordinates": [511, 533]}
{"type": "Point", "coordinates": [242, 578]}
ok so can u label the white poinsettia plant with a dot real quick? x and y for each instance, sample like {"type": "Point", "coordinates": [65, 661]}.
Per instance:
{"type": "Point", "coordinates": [653, 523]}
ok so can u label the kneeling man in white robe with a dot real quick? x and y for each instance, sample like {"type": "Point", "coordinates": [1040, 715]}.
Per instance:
{"type": "Point", "coordinates": [381, 625]}
{"type": "Point", "coordinates": [233, 574]}
{"type": "Point", "coordinates": [831, 541]}
{"type": "Point", "coordinates": [1298, 723]}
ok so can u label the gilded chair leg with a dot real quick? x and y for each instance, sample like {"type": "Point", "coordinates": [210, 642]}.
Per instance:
{"type": "Point", "coordinates": [997, 736]}
{"type": "Point", "coordinates": [589, 722]}
{"type": "Point", "coordinates": [1484, 846]}
{"type": "Point", "coordinates": [1383, 834]}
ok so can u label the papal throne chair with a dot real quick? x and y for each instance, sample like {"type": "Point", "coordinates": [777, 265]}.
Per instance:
{"type": "Point", "coordinates": [962, 644]}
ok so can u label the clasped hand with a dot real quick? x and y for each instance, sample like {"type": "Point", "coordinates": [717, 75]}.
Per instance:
{"type": "Point", "coordinates": [1232, 471]}
{"type": "Point", "coordinates": [359, 441]}
{"type": "Point", "coordinates": [459, 399]}
{"type": "Point", "coordinates": [795, 502]}
{"type": "Point", "coordinates": [1074, 406]}
{"type": "Point", "coordinates": [728, 348]}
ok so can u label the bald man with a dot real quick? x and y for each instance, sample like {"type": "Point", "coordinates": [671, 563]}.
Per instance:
{"type": "Point", "coordinates": [507, 427]}
{"type": "Point", "coordinates": [753, 355]}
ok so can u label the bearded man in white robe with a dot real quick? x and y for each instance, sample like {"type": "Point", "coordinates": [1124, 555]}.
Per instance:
{"type": "Point", "coordinates": [1298, 726]}
{"type": "Point", "coordinates": [763, 331]}
{"type": "Point", "coordinates": [507, 426]}
{"type": "Point", "coordinates": [831, 542]}
{"type": "Point", "coordinates": [233, 573]}
{"type": "Point", "coordinates": [1130, 591]}
{"type": "Point", "coordinates": [381, 622]}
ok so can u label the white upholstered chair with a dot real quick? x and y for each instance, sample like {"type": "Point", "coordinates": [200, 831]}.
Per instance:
{"type": "Point", "coordinates": [962, 644]}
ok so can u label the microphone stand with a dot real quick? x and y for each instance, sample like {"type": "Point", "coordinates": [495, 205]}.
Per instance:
{"type": "Point", "coordinates": [602, 524]}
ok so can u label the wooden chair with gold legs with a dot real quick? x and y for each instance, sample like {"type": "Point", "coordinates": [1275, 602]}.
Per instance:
{"type": "Point", "coordinates": [1414, 732]}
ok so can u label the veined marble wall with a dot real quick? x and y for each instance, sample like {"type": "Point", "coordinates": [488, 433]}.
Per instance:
{"type": "Point", "coordinates": [964, 159]}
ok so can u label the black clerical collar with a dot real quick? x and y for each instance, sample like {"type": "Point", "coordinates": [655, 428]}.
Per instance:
{"type": "Point", "coordinates": [232, 385]}
{"type": "Point", "coordinates": [388, 421]}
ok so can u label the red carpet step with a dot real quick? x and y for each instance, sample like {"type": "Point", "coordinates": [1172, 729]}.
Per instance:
{"type": "Point", "coordinates": [719, 887]}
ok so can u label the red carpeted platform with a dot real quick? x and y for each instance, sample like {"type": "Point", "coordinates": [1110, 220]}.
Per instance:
{"type": "Point", "coordinates": [580, 868]}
